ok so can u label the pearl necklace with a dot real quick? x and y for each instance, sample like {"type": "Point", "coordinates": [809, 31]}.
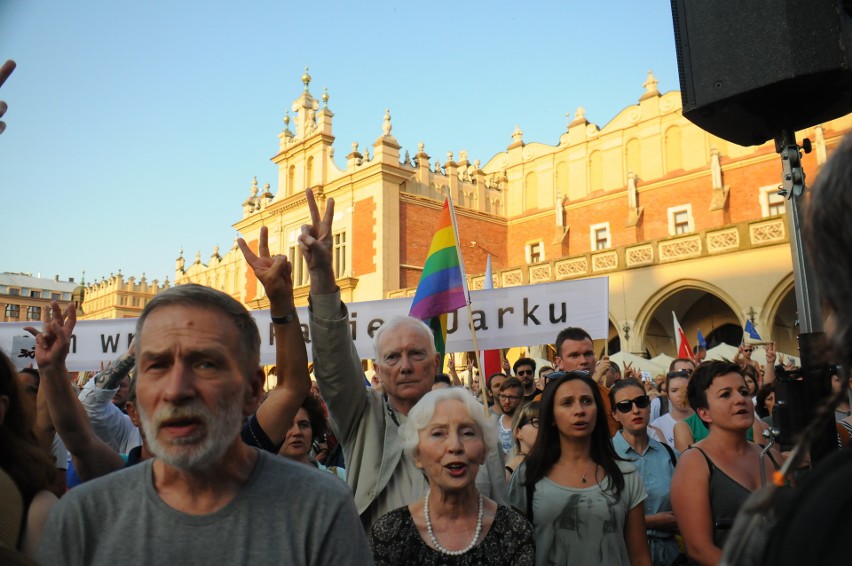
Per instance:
{"type": "Point", "coordinates": [434, 540]}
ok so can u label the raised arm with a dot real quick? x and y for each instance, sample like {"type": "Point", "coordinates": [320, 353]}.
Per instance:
{"type": "Point", "coordinates": [275, 415]}
{"type": "Point", "coordinates": [337, 365]}
{"type": "Point", "coordinates": [92, 456]}
{"type": "Point", "coordinates": [769, 370]}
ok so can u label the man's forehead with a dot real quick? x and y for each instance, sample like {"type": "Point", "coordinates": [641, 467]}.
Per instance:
{"type": "Point", "coordinates": [402, 339]}
{"type": "Point", "coordinates": [584, 345]}
{"type": "Point", "coordinates": [168, 324]}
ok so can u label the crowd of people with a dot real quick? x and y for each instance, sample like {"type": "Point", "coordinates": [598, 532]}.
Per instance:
{"type": "Point", "coordinates": [175, 443]}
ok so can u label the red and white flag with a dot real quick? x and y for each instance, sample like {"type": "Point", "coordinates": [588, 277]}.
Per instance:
{"type": "Point", "coordinates": [683, 348]}
{"type": "Point", "coordinates": [490, 358]}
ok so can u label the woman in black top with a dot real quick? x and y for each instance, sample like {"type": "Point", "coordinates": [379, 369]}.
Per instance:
{"type": "Point", "coordinates": [712, 481]}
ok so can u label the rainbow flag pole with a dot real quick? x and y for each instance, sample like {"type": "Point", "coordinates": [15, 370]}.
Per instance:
{"type": "Point", "coordinates": [441, 289]}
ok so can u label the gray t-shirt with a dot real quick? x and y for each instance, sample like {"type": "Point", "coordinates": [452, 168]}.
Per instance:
{"type": "Point", "coordinates": [287, 513]}
{"type": "Point", "coordinates": [579, 525]}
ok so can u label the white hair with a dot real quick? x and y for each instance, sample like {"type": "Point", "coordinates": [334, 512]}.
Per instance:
{"type": "Point", "coordinates": [409, 321]}
{"type": "Point", "coordinates": [421, 415]}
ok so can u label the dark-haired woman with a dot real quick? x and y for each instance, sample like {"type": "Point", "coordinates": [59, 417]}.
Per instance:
{"type": "Point", "coordinates": [631, 407]}
{"type": "Point", "coordinates": [26, 470]}
{"type": "Point", "coordinates": [713, 480]}
{"type": "Point", "coordinates": [309, 424]}
{"type": "Point", "coordinates": [584, 501]}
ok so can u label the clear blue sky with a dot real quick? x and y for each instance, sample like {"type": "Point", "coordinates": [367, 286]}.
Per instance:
{"type": "Point", "coordinates": [135, 128]}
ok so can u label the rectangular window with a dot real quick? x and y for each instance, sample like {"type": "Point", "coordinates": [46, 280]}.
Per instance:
{"type": "Point", "coordinates": [771, 203]}
{"type": "Point", "coordinates": [300, 268]}
{"type": "Point", "coordinates": [535, 252]}
{"type": "Point", "coordinates": [681, 220]}
{"type": "Point", "coordinates": [35, 294]}
{"type": "Point", "coordinates": [13, 312]}
{"type": "Point", "coordinates": [339, 252]}
{"type": "Point", "coordinates": [777, 204]}
{"type": "Point", "coordinates": [599, 235]}
{"type": "Point", "coordinates": [55, 296]}
{"type": "Point", "coordinates": [33, 313]}
{"type": "Point", "coordinates": [14, 292]}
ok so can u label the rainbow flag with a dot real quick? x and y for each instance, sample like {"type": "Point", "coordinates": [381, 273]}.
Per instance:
{"type": "Point", "coordinates": [440, 289]}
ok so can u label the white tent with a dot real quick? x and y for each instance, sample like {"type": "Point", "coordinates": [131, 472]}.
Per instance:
{"type": "Point", "coordinates": [623, 358]}
{"type": "Point", "coordinates": [728, 352]}
{"type": "Point", "coordinates": [663, 360]}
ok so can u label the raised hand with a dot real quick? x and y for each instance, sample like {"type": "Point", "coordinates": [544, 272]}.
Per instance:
{"type": "Point", "coordinates": [771, 353]}
{"type": "Point", "coordinates": [315, 239]}
{"type": "Point", "coordinates": [54, 339]}
{"type": "Point", "coordinates": [5, 71]}
{"type": "Point", "coordinates": [273, 272]}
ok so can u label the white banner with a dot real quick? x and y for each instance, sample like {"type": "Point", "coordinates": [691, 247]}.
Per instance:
{"type": "Point", "coordinates": [503, 318]}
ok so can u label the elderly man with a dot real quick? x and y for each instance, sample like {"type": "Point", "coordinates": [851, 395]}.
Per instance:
{"type": "Point", "coordinates": [206, 497]}
{"type": "Point", "coordinates": [365, 421]}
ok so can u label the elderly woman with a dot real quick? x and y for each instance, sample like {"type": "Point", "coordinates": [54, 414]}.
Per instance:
{"type": "Point", "coordinates": [448, 437]}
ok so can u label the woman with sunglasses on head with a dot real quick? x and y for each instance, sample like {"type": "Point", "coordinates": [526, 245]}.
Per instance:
{"type": "Point", "coordinates": [524, 431]}
{"type": "Point", "coordinates": [712, 481]}
{"type": "Point", "coordinates": [583, 500]}
{"type": "Point", "coordinates": [655, 461]}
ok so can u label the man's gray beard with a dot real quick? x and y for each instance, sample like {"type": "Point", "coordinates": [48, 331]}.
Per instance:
{"type": "Point", "coordinates": [219, 430]}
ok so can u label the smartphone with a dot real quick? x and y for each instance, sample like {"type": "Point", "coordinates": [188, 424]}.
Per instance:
{"type": "Point", "coordinates": [646, 375]}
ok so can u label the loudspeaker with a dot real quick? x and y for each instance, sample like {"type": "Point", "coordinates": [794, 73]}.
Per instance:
{"type": "Point", "coordinates": [752, 68]}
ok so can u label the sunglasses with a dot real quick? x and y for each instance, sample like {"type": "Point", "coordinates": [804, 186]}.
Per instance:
{"type": "Point", "coordinates": [525, 372]}
{"type": "Point", "coordinates": [626, 406]}
{"type": "Point", "coordinates": [748, 350]}
{"type": "Point", "coordinates": [679, 373]}
{"type": "Point", "coordinates": [573, 373]}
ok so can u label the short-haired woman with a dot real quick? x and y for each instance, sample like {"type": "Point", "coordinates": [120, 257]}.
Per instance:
{"type": "Point", "coordinates": [448, 436]}
{"type": "Point", "coordinates": [712, 481]}
{"type": "Point", "coordinates": [584, 501]}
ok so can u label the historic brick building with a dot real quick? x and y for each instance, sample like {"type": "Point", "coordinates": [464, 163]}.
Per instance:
{"type": "Point", "coordinates": [678, 219]}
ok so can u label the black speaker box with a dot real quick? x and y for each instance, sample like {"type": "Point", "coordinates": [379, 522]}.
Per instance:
{"type": "Point", "coordinates": [752, 68]}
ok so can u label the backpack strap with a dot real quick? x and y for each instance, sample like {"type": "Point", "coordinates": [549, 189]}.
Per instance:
{"type": "Point", "coordinates": [672, 456]}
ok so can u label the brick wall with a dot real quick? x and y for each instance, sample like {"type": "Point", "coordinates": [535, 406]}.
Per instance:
{"type": "Point", "coordinates": [364, 237]}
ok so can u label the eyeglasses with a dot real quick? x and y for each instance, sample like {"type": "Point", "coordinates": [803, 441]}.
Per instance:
{"type": "Point", "coordinates": [525, 372]}
{"type": "Point", "coordinates": [508, 397]}
{"type": "Point", "coordinates": [642, 402]}
{"type": "Point", "coordinates": [533, 421]}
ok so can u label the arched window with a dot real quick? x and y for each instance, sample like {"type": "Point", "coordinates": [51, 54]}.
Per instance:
{"type": "Point", "coordinates": [674, 152]}
{"type": "Point", "coordinates": [633, 157]}
{"type": "Point", "coordinates": [595, 171]}
{"type": "Point", "coordinates": [291, 180]}
{"type": "Point", "coordinates": [309, 173]}
{"type": "Point", "coordinates": [530, 191]}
